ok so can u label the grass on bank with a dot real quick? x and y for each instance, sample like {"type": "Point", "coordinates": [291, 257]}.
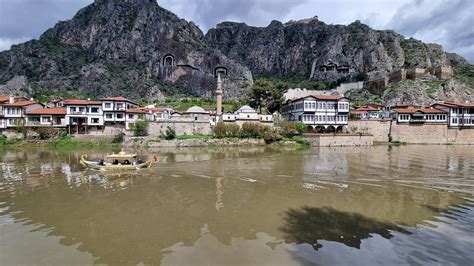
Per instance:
{"type": "Point", "coordinates": [68, 142]}
{"type": "Point", "coordinates": [195, 136]}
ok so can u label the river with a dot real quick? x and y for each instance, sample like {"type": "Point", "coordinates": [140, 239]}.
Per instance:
{"type": "Point", "coordinates": [241, 206]}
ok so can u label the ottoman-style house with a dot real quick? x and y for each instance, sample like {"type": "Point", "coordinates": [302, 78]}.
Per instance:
{"type": "Point", "coordinates": [419, 115]}
{"type": "Point", "coordinates": [460, 115]}
{"type": "Point", "coordinates": [324, 113]}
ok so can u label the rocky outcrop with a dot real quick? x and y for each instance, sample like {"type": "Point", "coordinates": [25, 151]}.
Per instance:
{"type": "Point", "coordinates": [311, 49]}
{"type": "Point", "coordinates": [133, 48]}
{"type": "Point", "coordinates": [426, 92]}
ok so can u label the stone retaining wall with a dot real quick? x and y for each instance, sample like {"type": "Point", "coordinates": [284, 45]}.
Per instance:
{"type": "Point", "coordinates": [330, 140]}
{"type": "Point", "coordinates": [414, 134]}
{"type": "Point", "coordinates": [181, 128]}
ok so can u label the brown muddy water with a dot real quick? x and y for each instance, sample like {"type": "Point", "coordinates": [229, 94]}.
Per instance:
{"type": "Point", "coordinates": [242, 206]}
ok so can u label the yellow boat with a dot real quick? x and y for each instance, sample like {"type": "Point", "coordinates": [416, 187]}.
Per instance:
{"type": "Point", "coordinates": [119, 161]}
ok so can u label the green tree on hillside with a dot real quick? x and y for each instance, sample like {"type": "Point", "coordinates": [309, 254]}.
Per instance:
{"type": "Point", "coordinates": [265, 94]}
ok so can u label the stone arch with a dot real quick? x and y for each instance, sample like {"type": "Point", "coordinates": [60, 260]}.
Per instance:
{"type": "Point", "coordinates": [319, 129]}
{"type": "Point", "coordinates": [331, 129]}
{"type": "Point", "coordinates": [339, 129]}
{"type": "Point", "coordinates": [220, 70]}
{"type": "Point", "coordinates": [168, 60]}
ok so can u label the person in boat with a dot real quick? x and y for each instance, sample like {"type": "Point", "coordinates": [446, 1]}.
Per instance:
{"type": "Point", "coordinates": [140, 161]}
{"type": "Point", "coordinates": [115, 162]}
{"type": "Point", "coordinates": [126, 162]}
{"type": "Point", "coordinates": [101, 162]}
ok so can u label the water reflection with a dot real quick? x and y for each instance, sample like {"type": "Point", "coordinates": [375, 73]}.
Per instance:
{"type": "Point", "coordinates": [308, 225]}
{"type": "Point", "coordinates": [241, 206]}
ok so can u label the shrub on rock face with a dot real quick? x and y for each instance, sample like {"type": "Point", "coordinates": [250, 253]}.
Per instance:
{"type": "Point", "coordinates": [170, 133]}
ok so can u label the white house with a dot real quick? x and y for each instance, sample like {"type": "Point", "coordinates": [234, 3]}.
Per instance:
{"type": "Point", "coordinates": [115, 109]}
{"type": "Point", "coordinates": [459, 114]}
{"type": "Point", "coordinates": [14, 113]}
{"type": "Point", "coordinates": [246, 114]}
{"type": "Point", "coordinates": [83, 116]}
{"type": "Point", "coordinates": [321, 112]}
{"type": "Point", "coordinates": [419, 115]}
{"type": "Point", "coordinates": [47, 117]}
{"type": "Point", "coordinates": [144, 113]}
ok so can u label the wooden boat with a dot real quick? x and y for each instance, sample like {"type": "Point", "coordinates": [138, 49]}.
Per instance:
{"type": "Point", "coordinates": [115, 162]}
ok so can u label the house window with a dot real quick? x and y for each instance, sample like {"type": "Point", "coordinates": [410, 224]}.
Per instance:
{"type": "Point", "coordinates": [95, 120]}
{"type": "Point", "coordinates": [108, 105]}
{"type": "Point", "coordinates": [108, 116]}
{"type": "Point", "coordinates": [120, 106]}
{"type": "Point", "coordinates": [454, 120]}
{"type": "Point", "coordinates": [72, 109]}
{"type": "Point", "coordinates": [94, 110]}
{"type": "Point", "coordinates": [130, 116]}
{"type": "Point", "coordinates": [119, 116]}
{"type": "Point", "coordinates": [46, 119]}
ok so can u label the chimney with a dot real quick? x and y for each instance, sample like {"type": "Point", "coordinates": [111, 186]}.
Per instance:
{"type": "Point", "coordinates": [11, 99]}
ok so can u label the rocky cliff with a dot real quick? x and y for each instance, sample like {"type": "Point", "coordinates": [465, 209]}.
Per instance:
{"type": "Point", "coordinates": [133, 48]}
{"type": "Point", "coordinates": [137, 49]}
{"type": "Point", "coordinates": [311, 49]}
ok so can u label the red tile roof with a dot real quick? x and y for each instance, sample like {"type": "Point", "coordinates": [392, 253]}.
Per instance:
{"type": "Point", "coordinates": [4, 98]}
{"type": "Point", "coordinates": [414, 110]}
{"type": "Point", "coordinates": [81, 102]}
{"type": "Point", "coordinates": [457, 104]}
{"type": "Point", "coordinates": [48, 111]}
{"type": "Point", "coordinates": [20, 104]}
{"type": "Point", "coordinates": [118, 99]}
{"type": "Point", "coordinates": [328, 97]}
{"type": "Point", "coordinates": [432, 111]}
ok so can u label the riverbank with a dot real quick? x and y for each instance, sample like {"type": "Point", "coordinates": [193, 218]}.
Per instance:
{"type": "Point", "coordinates": [208, 141]}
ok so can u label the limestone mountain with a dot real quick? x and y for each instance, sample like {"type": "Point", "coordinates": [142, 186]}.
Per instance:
{"type": "Point", "coordinates": [311, 49]}
{"type": "Point", "coordinates": [132, 48]}
{"type": "Point", "coordinates": [137, 49]}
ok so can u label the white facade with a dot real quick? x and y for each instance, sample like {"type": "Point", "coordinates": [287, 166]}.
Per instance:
{"type": "Point", "coordinates": [247, 114]}
{"type": "Point", "coordinates": [115, 109]}
{"type": "Point", "coordinates": [85, 114]}
{"type": "Point", "coordinates": [322, 111]}
{"type": "Point", "coordinates": [459, 114]}
{"type": "Point", "coordinates": [15, 113]}
{"type": "Point", "coordinates": [420, 117]}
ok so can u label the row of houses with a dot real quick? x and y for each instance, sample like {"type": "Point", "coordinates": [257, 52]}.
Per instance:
{"type": "Point", "coordinates": [332, 112]}
{"type": "Point", "coordinates": [325, 113]}
{"type": "Point", "coordinates": [78, 116]}
{"type": "Point", "coordinates": [86, 116]}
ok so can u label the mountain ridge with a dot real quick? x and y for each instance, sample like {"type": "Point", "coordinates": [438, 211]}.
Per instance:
{"type": "Point", "coordinates": [138, 49]}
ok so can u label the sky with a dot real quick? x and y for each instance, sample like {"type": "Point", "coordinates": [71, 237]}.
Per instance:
{"type": "Point", "coordinates": [446, 22]}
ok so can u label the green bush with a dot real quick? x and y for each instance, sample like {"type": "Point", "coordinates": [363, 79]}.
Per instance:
{"type": "Point", "coordinates": [232, 130]}
{"type": "Point", "coordinates": [222, 130]}
{"type": "Point", "coordinates": [252, 130]}
{"type": "Point", "coordinates": [301, 127]}
{"type": "Point", "coordinates": [117, 139]}
{"type": "Point", "coordinates": [170, 133]}
{"type": "Point", "coordinates": [5, 141]}
{"type": "Point", "coordinates": [288, 129]}
{"type": "Point", "coordinates": [140, 128]}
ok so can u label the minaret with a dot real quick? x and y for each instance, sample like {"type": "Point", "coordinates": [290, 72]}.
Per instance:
{"type": "Point", "coordinates": [219, 95]}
